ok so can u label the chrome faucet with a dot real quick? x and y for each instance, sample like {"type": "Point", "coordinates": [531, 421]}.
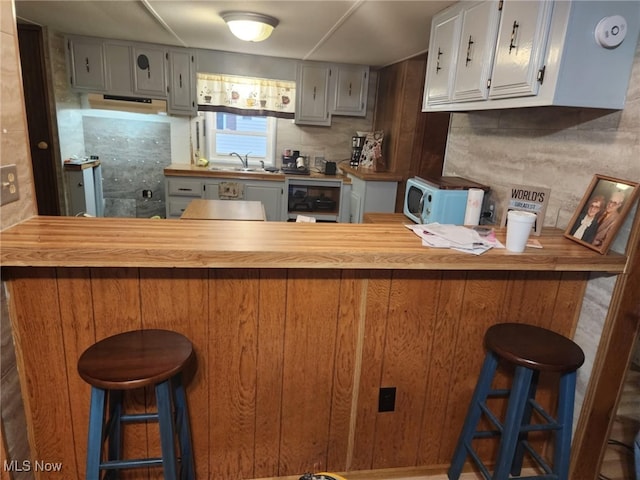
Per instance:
{"type": "Point", "coordinates": [244, 161]}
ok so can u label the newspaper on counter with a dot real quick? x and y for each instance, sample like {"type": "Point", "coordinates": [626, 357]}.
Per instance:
{"type": "Point", "coordinates": [455, 237]}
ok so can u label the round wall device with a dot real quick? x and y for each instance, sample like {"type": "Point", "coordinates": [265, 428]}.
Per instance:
{"type": "Point", "coordinates": [610, 31]}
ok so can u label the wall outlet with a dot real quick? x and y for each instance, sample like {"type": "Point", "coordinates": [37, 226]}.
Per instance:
{"type": "Point", "coordinates": [147, 194]}
{"type": "Point", "coordinates": [387, 399]}
{"type": "Point", "coordinates": [10, 192]}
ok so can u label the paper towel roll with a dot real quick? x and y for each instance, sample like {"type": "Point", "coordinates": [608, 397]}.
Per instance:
{"type": "Point", "coordinates": [474, 206]}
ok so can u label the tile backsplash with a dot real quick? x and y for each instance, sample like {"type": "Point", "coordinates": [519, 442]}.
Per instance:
{"type": "Point", "coordinates": [133, 154]}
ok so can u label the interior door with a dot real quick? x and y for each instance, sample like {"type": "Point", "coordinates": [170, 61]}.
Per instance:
{"type": "Point", "coordinates": [39, 116]}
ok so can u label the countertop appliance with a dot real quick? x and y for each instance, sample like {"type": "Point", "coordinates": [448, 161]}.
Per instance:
{"type": "Point", "coordinates": [442, 200]}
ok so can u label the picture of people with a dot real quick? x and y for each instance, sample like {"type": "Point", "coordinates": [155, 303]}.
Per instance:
{"type": "Point", "coordinates": [587, 227]}
{"type": "Point", "coordinates": [602, 212]}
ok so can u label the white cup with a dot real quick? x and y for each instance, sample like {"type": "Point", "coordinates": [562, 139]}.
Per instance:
{"type": "Point", "coordinates": [519, 226]}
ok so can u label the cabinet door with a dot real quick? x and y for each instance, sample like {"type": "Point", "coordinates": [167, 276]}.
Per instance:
{"type": "Point", "coordinates": [355, 207]}
{"type": "Point", "coordinates": [149, 64]}
{"type": "Point", "coordinates": [475, 54]}
{"type": "Point", "coordinates": [182, 88]}
{"type": "Point", "coordinates": [312, 95]}
{"type": "Point", "coordinates": [86, 63]}
{"type": "Point", "coordinates": [522, 40]}
{"type": "Point", "coordinates": [443, 54]}
{"type": "Point", "coordinates": [350, 85]}
{"type": "Point", "coordinates": [271, 198]}
{"type": "Point", "coordinates": [119, 71]}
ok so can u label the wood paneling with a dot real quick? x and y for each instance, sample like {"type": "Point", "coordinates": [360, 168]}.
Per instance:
{"type": "Point", "coordinates": [289, 362]}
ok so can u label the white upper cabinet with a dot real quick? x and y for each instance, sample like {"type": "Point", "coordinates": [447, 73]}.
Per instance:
{"type": "Point", "coordinates": [182, 82]}
{"type": "Point", "coordinates": [149, 63]}
{"type": "Point", "coordinates": [119, 69]}
{"type": "Point", "coordinates": [349, 88]}
{"type": "Point", "coordinates": [475, 53]}
{"type": "Point", "coordinates": [526, 53]}
{"type": "Point", "coordinates": [520, 50]}
{"type": "Point", "coordinates": [312, 91]}
{"type": "Point", "coordinates": [86, 64]}
{"type": "Point", "coordinates": [443, 54]}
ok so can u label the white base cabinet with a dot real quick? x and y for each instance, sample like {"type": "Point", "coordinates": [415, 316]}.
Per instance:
{"type": "Point", "coordinates": [182, 190]}
{"type": "Point", "coordinates": [371, 196]}
{"type": "Point", "coordinates": [523, 53]}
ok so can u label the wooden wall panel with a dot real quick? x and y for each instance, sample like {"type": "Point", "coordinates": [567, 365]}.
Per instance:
{"type": "Point", "coordinates": [78, 327]}
{"type": "Point", "coordinates": [233, 335]}
{"type": "Point", "coordinates": [409, 336]}
{"type": "Point", "coordinates": [445, 340]}
{"type": "Point", "coordinates": [37, 326]}
{"type": "Point", "coordinates": [271, 332]}
{"type": "Point", "coordinates": [309, 353]}
{"type": "Point", "coordinates": [177, 300]}
{"type": "Point", "coordinates": [481, 305]}
{"type": "Point", "coordinates": [377, 304]}
{"type": "Point", "coordinates": [348, 361]}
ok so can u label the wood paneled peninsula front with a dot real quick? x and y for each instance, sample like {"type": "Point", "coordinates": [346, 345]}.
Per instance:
{"type": "Point", "coordinates": [296, 328]}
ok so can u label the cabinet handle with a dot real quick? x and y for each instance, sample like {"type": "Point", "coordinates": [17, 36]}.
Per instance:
{"type": "Point", "coordinates": [180, 80]}
{"type": "Point", "coordinates": [514, 32]}
{"type": "Point", "coordinates": [466, 63]}
{"type": "Point", "coordinates": [438, 67]}
{"type": "Point", "coordinates": [349, 88]}
{"type": "Point", "coordinates": [314, 93]}
{"type": "Point", "coordinates": [86, 64]}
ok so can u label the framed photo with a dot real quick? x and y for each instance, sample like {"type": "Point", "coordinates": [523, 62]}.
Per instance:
{"type": "Point", "coordinates": [601, 212]}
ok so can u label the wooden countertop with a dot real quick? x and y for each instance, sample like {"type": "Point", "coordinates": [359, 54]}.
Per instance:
{"type": "Point", "coordinates": [132, 242]}
{"type": "Point", "coordinates": [369, 174]}
{"type": "Point", "coordinates": [186, 170]}
{"type": "Point", "coordinates": [200, 209]}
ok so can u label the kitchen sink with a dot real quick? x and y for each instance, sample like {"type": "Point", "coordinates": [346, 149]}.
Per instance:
{"type": "Point", "coordinates": [240, 169]}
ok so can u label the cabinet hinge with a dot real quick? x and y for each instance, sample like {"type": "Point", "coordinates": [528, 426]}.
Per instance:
{"type": "Point", "coordinates": [488, 83]}
{"type": "Point", "coordinates": [500, 5]}
{"type": "Point", "coordinates": [541, 74]}
{"type": "Point", "coordinates": [69, 45]}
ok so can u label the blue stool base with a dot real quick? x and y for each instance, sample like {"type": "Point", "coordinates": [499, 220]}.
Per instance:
{"type": "Point", "coordinates": [106, 424]}
{"type": "Point", "coordinates": [513, 431]}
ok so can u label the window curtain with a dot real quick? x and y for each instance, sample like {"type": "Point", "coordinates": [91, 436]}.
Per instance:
{"type": "Point", "coordinates": [246, 95]}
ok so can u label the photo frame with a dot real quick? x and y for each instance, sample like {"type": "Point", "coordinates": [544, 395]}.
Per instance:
{"type": "Point", "coordinates": [602, 212]}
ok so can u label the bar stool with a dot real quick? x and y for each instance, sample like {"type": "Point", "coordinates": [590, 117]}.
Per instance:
{"type": "Point", "coordinates": [129, 361]}
{"type": "Point", "coordinates": [531, 350]}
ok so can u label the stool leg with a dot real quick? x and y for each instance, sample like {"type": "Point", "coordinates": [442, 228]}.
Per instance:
{"type": "Point", "coordinates": [473, 415]}
{"type": "Point", "coordinates": [96, 425]}
{"type": "Point", "coordinates": [562, 449]}
{"type": "Point", "coordinates": [512, 422]}
{"type": "Point", "coordinates": [516, 467]}
{"type": "Point", "coordinates": [115, 431]}
{"type": "Point", "coordinates": [167, 437]}
{"type": "Point", "coordinates": [187, 470]}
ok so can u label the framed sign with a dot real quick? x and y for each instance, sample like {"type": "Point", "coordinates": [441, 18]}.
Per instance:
{"type": "Point", "coordinates": [528, 198]}
{"type": "Point", "coordinates": [601, 212]}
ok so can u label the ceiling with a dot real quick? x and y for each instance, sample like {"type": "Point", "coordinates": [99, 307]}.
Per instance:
{"type": "Point", "coordinates": [367, 32]}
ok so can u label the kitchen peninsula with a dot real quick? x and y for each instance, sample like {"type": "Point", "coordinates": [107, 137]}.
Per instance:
{"type": "Point", "coordinates": [296, 328]}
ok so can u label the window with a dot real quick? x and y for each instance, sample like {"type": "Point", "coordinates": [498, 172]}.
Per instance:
{"type": "Point", "coordinates": [223, 133]}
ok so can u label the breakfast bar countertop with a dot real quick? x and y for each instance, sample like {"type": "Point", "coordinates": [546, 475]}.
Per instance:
{"type": "Point", "coordinates": [130, 242]}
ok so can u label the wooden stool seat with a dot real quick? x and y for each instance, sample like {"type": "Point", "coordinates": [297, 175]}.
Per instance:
{"type": "Point", "coordinates": [135, 359]}
{"type": "Point", "coordinates": [131, 360]}
{"type": "Point", "coordinates": [531, 350]}
{"type": "Point", "coordinates": [534, 347]}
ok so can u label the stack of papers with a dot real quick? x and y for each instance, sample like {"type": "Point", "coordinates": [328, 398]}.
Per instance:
{"type": "Point", "coordinates": [456, 237]}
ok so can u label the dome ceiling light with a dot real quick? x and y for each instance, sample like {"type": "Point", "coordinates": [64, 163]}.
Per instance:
{"type": "Point", "coordinates": [250, 27]}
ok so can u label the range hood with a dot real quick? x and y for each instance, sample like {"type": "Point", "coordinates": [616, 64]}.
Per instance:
{"type": "Point", "coordinates": [125, 104]}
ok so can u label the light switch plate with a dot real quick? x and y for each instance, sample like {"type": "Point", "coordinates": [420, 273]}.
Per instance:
{"type": "Point", "coordinates": [9, 176]}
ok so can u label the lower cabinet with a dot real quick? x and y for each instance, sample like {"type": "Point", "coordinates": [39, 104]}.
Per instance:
{"type": "Point", "coordinates": [269, 193]}
{"type": "Point", "coordinates": [371, 196]}
{"type": "Point", "coordinates": [181, 190]}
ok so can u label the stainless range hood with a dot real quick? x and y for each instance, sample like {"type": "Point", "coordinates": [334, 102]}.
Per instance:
{"type": "Point", "coordinates": [125, 104]}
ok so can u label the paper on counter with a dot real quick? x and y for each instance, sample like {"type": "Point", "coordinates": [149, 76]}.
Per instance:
{"type": "Point", "coordinates": [455, 237]}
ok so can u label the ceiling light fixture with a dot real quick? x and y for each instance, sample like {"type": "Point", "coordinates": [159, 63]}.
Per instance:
{"type": "Point", "coordinates": [250, 27]}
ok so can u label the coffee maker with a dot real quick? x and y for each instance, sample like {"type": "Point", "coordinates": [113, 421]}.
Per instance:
{"type": "Point", "coordinates": [356, 150]}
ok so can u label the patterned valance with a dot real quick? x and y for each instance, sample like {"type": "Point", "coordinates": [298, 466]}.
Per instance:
{"type": "Point", "coordinates": [246, 95]}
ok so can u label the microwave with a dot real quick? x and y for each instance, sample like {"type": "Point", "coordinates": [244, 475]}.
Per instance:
{"type": "Point", "coordinates": [429, 202]}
